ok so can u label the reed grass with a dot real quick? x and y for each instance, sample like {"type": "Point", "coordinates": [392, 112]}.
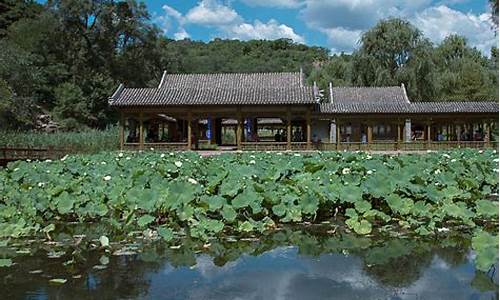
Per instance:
{"type": "Point", "coordinates": [87, 141]}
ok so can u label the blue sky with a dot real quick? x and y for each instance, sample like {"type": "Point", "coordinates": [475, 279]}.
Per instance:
{"type": "Point", "coordinates": [334, 24]}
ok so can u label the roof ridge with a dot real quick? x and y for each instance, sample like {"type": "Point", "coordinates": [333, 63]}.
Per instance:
{"type": "Point", "coordinates": [232, 73]}
{"type": "Point", "coordinates": [366, 87]}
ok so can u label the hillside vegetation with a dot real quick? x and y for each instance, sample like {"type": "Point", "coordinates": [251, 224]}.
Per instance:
{"type": "Point", "coordinates": [66, 57]}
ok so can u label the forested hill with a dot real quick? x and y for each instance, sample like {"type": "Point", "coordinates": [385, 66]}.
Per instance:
{"type": "Point", "coordinates": [65, 58]}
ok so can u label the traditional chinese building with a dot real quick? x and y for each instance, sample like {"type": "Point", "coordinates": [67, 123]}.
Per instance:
{"type": "Point", "coordinates": [279, 111]}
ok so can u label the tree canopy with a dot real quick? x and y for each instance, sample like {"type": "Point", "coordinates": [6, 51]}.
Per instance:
{"type": "Point", "coordinates": [65, 58]}
{"type": "Point", "coordinates": [394, 52]}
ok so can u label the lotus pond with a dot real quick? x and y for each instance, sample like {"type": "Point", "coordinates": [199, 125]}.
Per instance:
{"type": "Point", "coordinates": [183, 206]}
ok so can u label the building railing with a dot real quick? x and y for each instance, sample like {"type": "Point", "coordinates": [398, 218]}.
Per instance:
{"type": "Point", "coordinates": [263, 146]}
{"type": "Point", "coordinates": [8, 154]}
{"type": "Point", "coordinates": [406, 146]}
{"type": "Point", "coordinates": [176, 146]}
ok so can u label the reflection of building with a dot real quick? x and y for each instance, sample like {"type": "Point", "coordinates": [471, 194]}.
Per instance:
{"type": "Point", "coordinates": [278, 111]}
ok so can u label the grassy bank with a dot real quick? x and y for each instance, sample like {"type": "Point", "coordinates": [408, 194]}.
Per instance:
{"type": "Point", "coordinates": [88, 141]}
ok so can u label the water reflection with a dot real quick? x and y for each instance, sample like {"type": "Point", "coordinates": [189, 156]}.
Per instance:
{"type": "Point", "coordinates": [288, 264]}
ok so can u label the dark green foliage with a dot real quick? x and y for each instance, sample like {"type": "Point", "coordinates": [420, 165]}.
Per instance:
{"type": "Point", "coordinates": [85, 48]}
{"type": "Point", "coordinates": [394, 52]}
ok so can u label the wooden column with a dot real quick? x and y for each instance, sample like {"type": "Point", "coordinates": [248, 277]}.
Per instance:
{"type": "Point", "coordinates": [196, 132]}
{"type": "Point", "coordinates": [370, 135]}
{"type": "Point", "coordinates": [487, 135]}
{"type": "Point", "coordinates": [428, 133]}
{"type": "Point", "coordinates": [308, 124]}
{"type": "Point", "coordinates": [288, 129]}
{"type": "Point", "coordinates": [141, 131]}
{"type": "Point", "coordinates": [239, 131]}
{"type": "Point", "coordinates": [338, 135]}
{"type": "Point", "coordinates": [213, 130]}
{"type": "Point", "coordinates": [399, 137]}
{"type": "Point", "coordinates": [189, 130]}
{"type": "Point", "coordinates": [122, 131]}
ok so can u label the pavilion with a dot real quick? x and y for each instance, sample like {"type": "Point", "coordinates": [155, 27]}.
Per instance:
{"type": "Point", "coordinates": [279, 111]}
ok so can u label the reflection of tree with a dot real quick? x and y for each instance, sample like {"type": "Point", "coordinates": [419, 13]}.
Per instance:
{"type": "Point", "coordinates": [398, 263]}
{"type": "Point", "coordinates": [484, 283]}
{"type": "Point", "coordinates": [453, 256]}
{"type": "Point", "coordinates": [117, 281]}
{"type": "Point", "coordinates": [394, 262]}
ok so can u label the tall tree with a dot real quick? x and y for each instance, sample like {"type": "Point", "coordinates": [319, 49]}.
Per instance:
{"type": "Point", "coordinates": [395, 52]}
{"type": "Point", "coordinates": [494, 12]}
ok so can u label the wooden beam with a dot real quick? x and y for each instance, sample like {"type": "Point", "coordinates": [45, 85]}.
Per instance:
{"type": "Point", "coordinates": [189, 130]}
{"type": "Point", "coordinates": [338, 134]}
{"type": "Point", "coordinates": [213, 130]}
{"type": "Point", "coordinates": [122, 131]}
{"type": "Point", "coordinates": [428, 133]}
{"type": "Point", "coordinates": [370, 133]}
{"type": "Point", "coordinates": [308, 124]}
{"type": "Point", "coordinates": [399, 137]}
{"type": "Point", "coordinates": [141, 131]}
{"type": "Point", "coordinates": [239, 130]}
{"type": "Point", "coordinates": [288, 129]}
{"type": "Point", "coordinates": [487, 134]}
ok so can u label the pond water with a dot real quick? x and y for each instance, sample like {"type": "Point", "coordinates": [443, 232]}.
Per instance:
{"type": "Point", "coordinates": [284, 265]}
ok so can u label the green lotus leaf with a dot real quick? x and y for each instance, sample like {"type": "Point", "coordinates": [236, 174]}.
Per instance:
{"type": "Point", "coordinates": [49, 228]}
{"type": "Point", "coordinates": [104, 240]}
{"type": "Point", "coordinates": [145, 220]}
{"type": "Point", "coordinates": [362, 206]}
{"type": "Point", "coordinates": [228, 213]}
{"type": "Point", "coordinates": [245, 198]}
{"type": "Point", "coordinates": [5, 262]}
{"type": "Point", "coordinates": [58, 281]}
{"type": "Point", "coordinates": [487, 208]}
{"type": "Point", "coordinates": [399, 205]}
{"type": "Point", "coordinates": [214, 202]}
{"type": "Point", "coordinates": [293, 214]}
{"type": "Point", "coordinates": [486, 247]}
{"type": "Point", "coordinates": [360, 227]}
{"type": "Point", "coordinates": [185, 212]}
{"type": "Point", "coordinates": [279, 209]}
{"type": "Point", "coordinates": [166, 233]}
{"type": "Point", "coordinates": [214, 226]}
{"type": "Point", "coordinates": [245, 227]}
{"type": "Point", "coordinates": [65, 203]}
{"type": "Point", "coordinates": [309, 203]}
{"type": "Point", "coordinates": [180, 193]}
{"type": "Point", "coordinates": [350, 193]}
{"type": "Point", "coordinates": [378, 186]}
{"type": "Point", "coordinates": [351, 213]}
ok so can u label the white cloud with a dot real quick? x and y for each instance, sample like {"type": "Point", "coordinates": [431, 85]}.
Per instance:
{"type": "Point", "coordinates": [344, 20]}
{"type": "Point", "coordinates": [262, 31]}
{"type": "Point", "coordinates": [172, 12]}
{"type": "Point", "coordinates": [212, 13]}
{"type": "Point", "coordinates": [166, 22]}
{"type": "Point", "coordinates": [275, 3]}
{"type": "Point", "coordinates": [181, 34]}
{"type": "Point", "coordinates": [345, 40]}
{"type": "Point", "coordinates": [227, 22]}
{"type": "Point", "coordinates": [438, 22]}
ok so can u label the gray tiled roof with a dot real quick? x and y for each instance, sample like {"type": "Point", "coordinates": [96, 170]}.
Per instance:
{"type": "Point", "coordinates": [363, 95]}
{"type": "Point", "coordinates": [220, 89]}
{"type": "Point", "coordinates": [410, 108]}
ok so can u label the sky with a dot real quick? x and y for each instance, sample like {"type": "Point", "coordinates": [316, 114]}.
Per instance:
{"type": "Point", "coordinates": [334, 24]}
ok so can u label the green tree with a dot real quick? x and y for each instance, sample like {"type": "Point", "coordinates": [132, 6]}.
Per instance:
{"type": "Point", "coordinates": [463, 72]}
{"type": "Point", "coordinates": [395, 52]}
{"type": "Point", "coordinates": [494, 12]}
{"type": "Point", "coordinates": [71, 108]}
